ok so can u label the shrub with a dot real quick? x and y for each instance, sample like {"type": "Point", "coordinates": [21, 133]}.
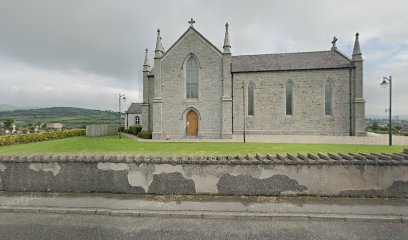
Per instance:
{"type": "Point", "coordinates": [135, 129]}
{"type": "Point", "coordinates": [38, 137]}
{"type": "Point", "coordinates": [145, 135]}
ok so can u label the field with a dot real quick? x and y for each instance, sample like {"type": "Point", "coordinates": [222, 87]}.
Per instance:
{"type": "Point", "coordinates": [112, 144]}
{"type": "Point", "coordinates": [70, 117]}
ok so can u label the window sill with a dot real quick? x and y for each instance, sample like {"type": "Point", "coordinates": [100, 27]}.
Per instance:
{"type": "Point", "coordinates": [191, 100]}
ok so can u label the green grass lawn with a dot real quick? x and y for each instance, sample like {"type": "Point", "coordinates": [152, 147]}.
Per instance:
{"type": "Point", "coordinates": [112, 144]}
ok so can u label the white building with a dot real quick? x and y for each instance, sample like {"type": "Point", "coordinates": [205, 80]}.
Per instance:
{"type": "Point", "coordinates": [133, 115]}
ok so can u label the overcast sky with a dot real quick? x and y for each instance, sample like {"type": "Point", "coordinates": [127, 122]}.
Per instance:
{"type": "Point", "coordinates": [82, 53]}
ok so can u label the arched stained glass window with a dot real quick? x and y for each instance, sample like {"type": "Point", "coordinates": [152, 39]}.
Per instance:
{"type": "Point", "coordinates": [251, 96]}
{"type": "Point", "coordinates": [192, 78]}
{"type": "Point", "coordinates": [289, 98]}
{"type": "Point", "coordinates": [137, 120]}
{"type": "Point", "coordinates": [328, 98]}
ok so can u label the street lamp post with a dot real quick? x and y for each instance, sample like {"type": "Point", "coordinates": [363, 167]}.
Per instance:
{"type": "Point", "coordinates": [121, 97]}
{"type": "Point", "coordinates": [384, 84]}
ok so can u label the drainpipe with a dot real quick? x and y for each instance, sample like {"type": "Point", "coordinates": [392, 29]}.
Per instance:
{"type": "Point", "coordinates": [350, 100]}
{"type": "Point", "coordinates": [244, 107]}
{"type": "Point", "coordinates": [232, 97]}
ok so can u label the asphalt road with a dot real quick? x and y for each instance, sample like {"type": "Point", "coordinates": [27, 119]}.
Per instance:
{"type": "Point", "coordinates": [19, 226]}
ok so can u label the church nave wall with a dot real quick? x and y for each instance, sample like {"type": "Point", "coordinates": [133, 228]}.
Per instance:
{"type": "Point", "coordinates": [308, 103]}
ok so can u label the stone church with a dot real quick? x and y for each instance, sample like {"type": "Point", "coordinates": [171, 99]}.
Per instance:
{"type": "Point", "coordinates": [196, 90]}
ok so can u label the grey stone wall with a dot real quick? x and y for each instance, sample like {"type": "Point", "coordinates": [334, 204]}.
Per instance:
{"type": "Point", "coordinates": [145, 104]}
{"type": "Point", "coordinates": [316, 175]}
{"type": "Point", "coordinates": [308, 108]}
{"type": "Point", "coordinates": [101, 130]}
{"type": "Point", "coordinates": [151, 91]}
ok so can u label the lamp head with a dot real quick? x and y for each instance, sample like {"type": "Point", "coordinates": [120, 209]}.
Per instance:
{"type": "Point", "coordinates": [384, 83]}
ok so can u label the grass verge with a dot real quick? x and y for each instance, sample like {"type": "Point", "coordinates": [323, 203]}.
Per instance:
{"type": "Point", "coordinates": [111, 144]}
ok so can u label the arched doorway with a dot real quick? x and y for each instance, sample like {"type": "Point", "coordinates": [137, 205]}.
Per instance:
{"type": "Point", "coordinates": [192, 123]}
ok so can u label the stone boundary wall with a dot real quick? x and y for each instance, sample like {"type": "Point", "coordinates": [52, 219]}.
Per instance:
{"type": "Point", "coordinates": [95, 130]}
{"type": "Point", "coordinates": [257, 159]}
{"type": "Point", "coordinates": [353, 175]}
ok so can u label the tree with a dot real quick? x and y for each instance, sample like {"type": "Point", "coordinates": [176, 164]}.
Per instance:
{"type": "Point", "coordinates": [8, 123]}
{"type": "Point", "coordinates": [375, 126]}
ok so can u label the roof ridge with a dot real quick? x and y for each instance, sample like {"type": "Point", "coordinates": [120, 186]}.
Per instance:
{"type": "Point", "coordinates": [284, 53]}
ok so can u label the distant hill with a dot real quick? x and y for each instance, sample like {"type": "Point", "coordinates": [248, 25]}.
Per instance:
{"type": "Point", "coordinates": [385, 116]}
{"type": "Point", "coordinates": [6, 107]}
{"type": "Point", "coordinates": [69, 116]}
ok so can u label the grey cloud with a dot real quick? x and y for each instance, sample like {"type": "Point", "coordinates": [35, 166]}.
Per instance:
{"type": "Point", "coordinates": [106, 38]}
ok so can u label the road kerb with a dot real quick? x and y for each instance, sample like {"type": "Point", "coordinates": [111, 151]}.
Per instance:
{"type": "Point", "coordinates": [205, 214]}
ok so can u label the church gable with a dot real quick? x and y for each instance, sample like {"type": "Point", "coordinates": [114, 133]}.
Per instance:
{"type": "Point", "coordinates": [190, 75]}
{"type": "Point", "coordinates": [193, 50]}
{"type": "Point", "coordinates": [187, 35]}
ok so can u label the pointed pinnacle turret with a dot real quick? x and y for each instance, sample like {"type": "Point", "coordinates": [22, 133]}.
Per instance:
{"type": "Point", "coordinates": [227, 45]}
{"type": "Point", "coordinates": [161, 45]}
{"type": "Point", "coordinates": [357, 55]}
{"type": "Point", "coordinates": [158, 52]}
{"type": "Point", "coordinates": [146, 64]}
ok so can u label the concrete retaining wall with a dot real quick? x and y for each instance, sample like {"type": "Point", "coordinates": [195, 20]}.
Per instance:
{"type": "Point", "coordinates": [317, 175]}
{"type": "Point", "coordinates": [101, 130]}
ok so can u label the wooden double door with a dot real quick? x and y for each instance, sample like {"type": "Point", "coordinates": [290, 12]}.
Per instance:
{"type": "Point", "coordinates": [191, 124]}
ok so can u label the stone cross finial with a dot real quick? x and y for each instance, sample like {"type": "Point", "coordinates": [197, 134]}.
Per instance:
{"type": "Point", "coordinates": [334, 42]}
{"type": "Point", "coordinates": [191, 22]}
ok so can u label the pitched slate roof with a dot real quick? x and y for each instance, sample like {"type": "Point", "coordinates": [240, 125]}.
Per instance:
{"type": "Point", "coordinates": [135, 108]}
{"type": "Point", "coordinates": [290, 61]}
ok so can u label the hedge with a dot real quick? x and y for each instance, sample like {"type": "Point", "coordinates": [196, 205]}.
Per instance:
{"type": "Point", "coordinates": [38, 137]}
{"type": "Point", "coordinates": [145, 135]}
{"type": "Point", "coordinates": [134, 129]}
{"type": "Point", "coordinates": [127, 131]}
